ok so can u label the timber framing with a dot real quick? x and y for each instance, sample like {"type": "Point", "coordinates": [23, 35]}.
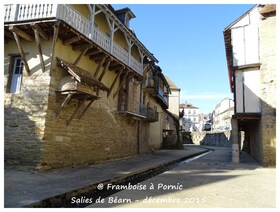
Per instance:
{"type": "Point", "coordinates": [58, 29]}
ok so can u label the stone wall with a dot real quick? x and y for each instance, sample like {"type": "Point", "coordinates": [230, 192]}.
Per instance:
{"type": "Point", "coordinates": [267, 32]}
{"type": "Point", "coordinates": [221, 139]}
{"type": "Point", "coordinates": [36, 139]}
{"type": "Point", "coordinates": [101, 134]}
{"type": "Point", "coordinates": [24, 112]}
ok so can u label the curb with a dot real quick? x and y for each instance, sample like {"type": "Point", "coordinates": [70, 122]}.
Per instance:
{"type": "Point", "coordinates": [94, 191]}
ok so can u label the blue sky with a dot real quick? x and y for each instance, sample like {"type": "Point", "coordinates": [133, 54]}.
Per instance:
{"type": "Point", "coordinates": [188, 41]}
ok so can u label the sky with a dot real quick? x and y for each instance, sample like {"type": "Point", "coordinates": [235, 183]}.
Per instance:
{"type": "Point", "coordinates": [188, 41]}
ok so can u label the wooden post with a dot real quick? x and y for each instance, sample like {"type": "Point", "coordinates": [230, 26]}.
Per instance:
{"type": "Point", "coordinates": [99, 66]}
{"type": "Point", "coordinates": [114, 82]}
{"type": "Point", "coordinates": [37, 38]}
{"type": "Point", "coordinates": [120, 84]}
{"type": "Point", "coordinates": [20, 50]}
{"type": "Point", "coordinates": [129, 44]}
{"type": "Point", "coordinates": [104, 70]}
{"type": "Point", "coordinates": [89, 104]}
{"type": "Point", "coordinates": [79, 105]}
{"type": "Point", "coordinates": [40, 31]}
{"type": "Point", "coordinates": [55, 35]}
{"type": "Point", "coordinates": [66, 100]}
{"type": "Point", "coordinates": [21, 33]}
{"type": "Point", "coordinates": [81, 55]}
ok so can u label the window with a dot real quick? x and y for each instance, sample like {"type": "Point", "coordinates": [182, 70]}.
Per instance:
{"type": "Point", "coordinates": [16, 74]}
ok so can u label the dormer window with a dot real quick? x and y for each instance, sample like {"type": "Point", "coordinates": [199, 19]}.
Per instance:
{"type": "Point", "coordinates": [125, 15]}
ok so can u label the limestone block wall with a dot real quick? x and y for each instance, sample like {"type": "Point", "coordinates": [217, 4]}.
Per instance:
{"type": "Point", "coordinates": [36, 139]}
{"type": "Point", "coordinates": [24, 112]}
{"type": "Point", "coordinates": [221, 139]}
{"type": "Point", "coordinates": [267, 32]}
{"type": "Point", "coordinates": [100, 135]}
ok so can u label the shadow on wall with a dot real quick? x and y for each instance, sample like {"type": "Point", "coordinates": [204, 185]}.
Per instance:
{"type": "Point", "coordinates": [260, 133]}
{"type": "Point", "coordinates": [22, 146]}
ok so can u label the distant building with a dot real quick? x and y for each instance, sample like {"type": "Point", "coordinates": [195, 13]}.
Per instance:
{"type": "Point", "coordinates": [174, 97]}
{"type": "Point", "coordinates": [222, 115]}
{"type": "Point", "coordinates": [190, 119]}
{"type": "Point", "coordinates": [205, 122]}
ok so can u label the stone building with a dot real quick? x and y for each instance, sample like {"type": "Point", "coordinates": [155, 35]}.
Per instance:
{"type": "Point", "coordinates": [74, 87]}
{"type": "Point", "coordinates": [174, 97]}
{"type": "Point", "coordinates": [250, 44]}
{"type": "Point", "coordinates": [190, 120]}
{"type": "Point", "coordinates": [164, 132]}
{"type": "Point", "coordinates": [222, 114]}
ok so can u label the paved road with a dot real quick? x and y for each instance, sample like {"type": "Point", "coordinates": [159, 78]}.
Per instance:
{"type": "Point", "coordinates": [210, 181]}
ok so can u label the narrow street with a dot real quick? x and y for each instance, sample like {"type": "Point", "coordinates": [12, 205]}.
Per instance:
{"type": "Point", "coordinates": [210, 181]}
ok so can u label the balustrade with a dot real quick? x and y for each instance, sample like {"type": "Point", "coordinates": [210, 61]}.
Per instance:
{"type": "Point", "coordinates": [21, 12]}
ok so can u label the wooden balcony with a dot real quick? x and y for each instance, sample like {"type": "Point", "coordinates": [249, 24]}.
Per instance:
{"type": "Point", "coordinates": [31, 12]}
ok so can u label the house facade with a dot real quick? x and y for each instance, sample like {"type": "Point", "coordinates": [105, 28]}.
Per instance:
{"type": "Point", "coordinates": [222, 114]}
{"type": "Point", "coordinates": [250, 44]}
{"type": "Point", "coordinates": [74, 87]}
{"type": "Point", "coordinates": [174, 97]}
{"type": "Point", "coordinates": [190, 120]}
{"type": "Point", "coordinates": [157, 91]}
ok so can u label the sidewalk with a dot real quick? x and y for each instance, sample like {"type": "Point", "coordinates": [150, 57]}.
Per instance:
{"type": "Point", "coordinates": [23, 188]}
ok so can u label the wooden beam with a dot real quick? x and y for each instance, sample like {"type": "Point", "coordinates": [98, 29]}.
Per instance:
{"type": "Point", "coordinates": [71, 40]}
{"type": "Point", "coordinates": [119, 87]}
{"type": "Point", "coordinates": [21, 33]}
{"type": "Point", "coordinates": [79, 105]}
{"type": "Point", "coordinates": [99, 66]}
{"type": "Point", "coordinates": [89, 104]}
{"type": "Point", "coordinates": [114, 82]}
{"type": "Point", "coordinates": [21, 52]}
{"type": "Point", "coordinates": [96, 51]}
{"type": "Point", "coordinates": [98, 57]}
{"type": "Point", "coordinates": [116, 67]}
{"type": "Point", "coordinates": [40, 31]}
{"type": "Point", "coordinates": [55, 35]}
{"type": "Point", "coordinates": [37, 39]}
{"type": "Point", "coordinates": [104, 70]}
{"type": "Point", "coordinates": [66, 100]}
{"type": "Point", "coordinates": [81, 55]}
{"type": "Point", "coordinates": [80, 47]}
